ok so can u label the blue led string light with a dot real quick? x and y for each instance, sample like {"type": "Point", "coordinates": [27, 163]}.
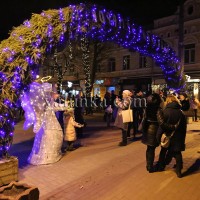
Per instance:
{"type": "Point", "coordinates": [19, 66]}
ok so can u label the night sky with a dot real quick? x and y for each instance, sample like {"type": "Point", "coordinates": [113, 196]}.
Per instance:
{"type": "Point", "coordinates": [14, 12]}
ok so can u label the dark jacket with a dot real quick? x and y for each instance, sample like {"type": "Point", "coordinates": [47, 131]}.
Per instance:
{"type": "Point", "coordinates": [185, 105]}
{"type": "Point", "coordinates": [150, 123]}
{"type": "Point", "coordinates": [150, 126]}
{"type": "Point", "coordinates": [172, 114]}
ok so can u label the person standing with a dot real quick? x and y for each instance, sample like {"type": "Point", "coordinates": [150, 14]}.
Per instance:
{"type": "Point", "coordinates": [122, 105]}
{"type": "Point", "coordinates": [78, 116]}
{"type": "Point", "coordinates": [173, 115]}
{"type": "Point", "coordinates": [107, 108]}
{"type": "Point", "coordinates": [194, 103]}
{"type": "Point", "coordinates": [70, 132]}
{"type": "Point", "coordinates": [59, 114]}
{"type": "Point", "coordinates": [131, 124]}
{"type": "Point", "coordinates": [138, 105]}
{"type": "Point", "coordinates": [149, 129]}
{"type": "Point", "coordinates": [185, 105]}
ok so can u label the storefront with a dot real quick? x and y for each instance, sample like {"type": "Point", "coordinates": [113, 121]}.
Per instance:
{"type": "Point", "coordinates": [70, 88]}
{"type": "Point", "coordinates": [101, 86]}
{"type": "Point", "coordinates": [98, 88]}
{"type": "Point", "coordinates": [158, 85]}
{"type": "Point", "coordinates": [112, 84]}
{"type": "Point", "coordinates": [193, 86]}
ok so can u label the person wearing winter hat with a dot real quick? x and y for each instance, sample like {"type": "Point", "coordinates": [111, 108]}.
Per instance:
{"type": "Point", "coordinates": [122, 105]}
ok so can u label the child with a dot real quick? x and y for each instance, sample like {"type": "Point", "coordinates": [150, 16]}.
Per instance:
{"type": "Point", "coordinates": [70, 132]}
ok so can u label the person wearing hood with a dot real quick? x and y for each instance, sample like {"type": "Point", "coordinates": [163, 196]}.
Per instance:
{"type": "Point", "coordinates": [172, 114]}
{"type": "Point", "coordinates": [70, 132]}
{"type": "Point", "coordinates": [149, 129]}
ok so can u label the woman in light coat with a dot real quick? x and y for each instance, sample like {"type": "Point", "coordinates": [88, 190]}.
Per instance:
{"type": "Point", "coordinates": [194, 103]}
{"type": "Point", "coordinates": [122, 105]}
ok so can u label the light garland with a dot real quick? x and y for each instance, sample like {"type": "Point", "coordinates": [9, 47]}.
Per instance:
{"type": "Point", "coordinates": [23, 52]}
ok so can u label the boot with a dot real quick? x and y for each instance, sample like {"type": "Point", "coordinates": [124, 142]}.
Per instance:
{"type": "Point", "coordinates": [122, 143]}
{"type": "Point", "coordinates": [150, 159]}
{"type": "Point", "coordinates": [178, 173]}
{"type": "Point", "coordinates": [159, 167]}
{"type": "Point", "coordinates": [179, 167]}
{"type": "Point", "coordinates": [70, 146]}
{"type": "Point", "coordinates": [150, 169]}
{"type": "Point", "coordinates": [124, 137]}
{"type": "Point", "coordinates": [179, 164]}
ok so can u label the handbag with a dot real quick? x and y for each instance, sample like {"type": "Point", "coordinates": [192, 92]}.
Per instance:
{"type": "Point", "coordinates": [109, 109]}
{"type": "Point", "coordinates": [127, 115]}
{"type": "Point", "coordinates": [140, 127]}
{"type": "Point", "coordinates": [165, 140]}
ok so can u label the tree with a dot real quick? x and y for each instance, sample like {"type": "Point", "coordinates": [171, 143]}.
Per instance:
{"type": "Point", "coordinates": [80, 58]}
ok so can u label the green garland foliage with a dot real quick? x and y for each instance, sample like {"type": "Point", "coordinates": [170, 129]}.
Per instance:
{"type": "Point", "coordinates": [14, 52]}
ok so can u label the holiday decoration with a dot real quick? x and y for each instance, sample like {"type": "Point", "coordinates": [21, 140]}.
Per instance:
{"type": "Point", "coordinates": [28, 44]}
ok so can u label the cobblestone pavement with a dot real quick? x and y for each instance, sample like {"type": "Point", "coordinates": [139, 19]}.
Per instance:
{"type": "Point", "coordinates": [101, 170]}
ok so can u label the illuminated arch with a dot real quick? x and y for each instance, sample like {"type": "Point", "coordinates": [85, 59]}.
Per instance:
{"type": "Point", "coordinates": [23, 52]}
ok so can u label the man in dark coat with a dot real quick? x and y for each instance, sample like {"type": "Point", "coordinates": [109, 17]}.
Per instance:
{"type": "Point", "coordinates": [59, 114]}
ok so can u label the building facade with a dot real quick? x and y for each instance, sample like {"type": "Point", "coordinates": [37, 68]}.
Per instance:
{"type": "Point", "coordinates": [168, 29]}
{"type": "Point", "coordinates": [135, 71]}
{"type": "Point", "coordinates": [126, 69]}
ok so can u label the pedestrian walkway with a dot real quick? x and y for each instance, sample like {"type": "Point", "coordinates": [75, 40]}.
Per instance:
{"type": "Point", "coordinates": [101, 170]}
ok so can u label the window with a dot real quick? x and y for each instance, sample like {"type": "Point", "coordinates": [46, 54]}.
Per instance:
{"type": "Point", "coordinates": [189, 53]}
{"type": "Point", "coordinates": [168, 34]}
{"type": "Point", "coordinates": [185, 31]}
{"type": "Point", "coordinates": [111, 64]}
{"type": "Point", "coordinates": [190, 10]}
{"type": "Point", "coordinates": [71, 68]}
{"type": "Point", "coordinates": [142, 61]}
{"type": "Point", "coordinates": [98, 69]}
{"type": "Point", "coordinates": [126, 62]}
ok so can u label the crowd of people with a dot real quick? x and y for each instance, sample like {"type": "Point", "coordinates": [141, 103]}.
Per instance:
{"type": "Point", "coordinates": [157, 116]}
{"type": "Point", "coordinates": [57, 126]}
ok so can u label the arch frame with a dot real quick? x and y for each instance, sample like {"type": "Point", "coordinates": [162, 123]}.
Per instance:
{"type": "Point", "coordinates": [22, 54]}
